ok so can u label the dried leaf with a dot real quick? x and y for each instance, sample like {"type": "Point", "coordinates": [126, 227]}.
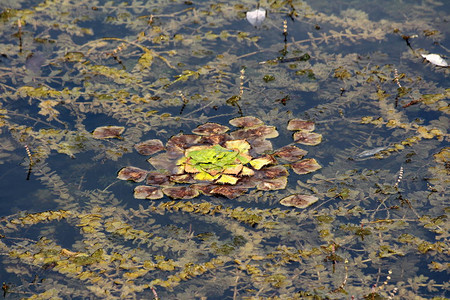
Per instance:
{"type": "Point", "coordinates": [132, 173]}
{"type": "Point", "coordinates": [290, 153]}
{"type": "Point", "coordinates": [299, 201]}
{"type": "Point", "coordinates": [149, 147]}
{"type": "Point", "coordinates": [272, 184]}
{"type": "Point", "coordinates": [305, 166]}
{"type": "Point", "coordinates": [147, 192]}
{"type": "Point", "coordinates": [210, 128]}
{"type": "Point", "coordinates": [307, 138]}
{"type": "Point", "coordinates": [246, 121]}
{"type": "Point", "coordinates": [181, 192]}
{"type": "Point", "coordinates": [299, 124]}
{"type": "Point", "coordinates": [108, 132]}
{"type": "Point", "coordinates": [228, 191]}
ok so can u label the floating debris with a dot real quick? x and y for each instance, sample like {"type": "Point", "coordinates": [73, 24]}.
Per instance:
{"type": "Point", "coordinates": [370, 152]}
{"type": "Point", "coordinates": [435, 59]}
{"type": "Point", "coordinates": [257, 16]}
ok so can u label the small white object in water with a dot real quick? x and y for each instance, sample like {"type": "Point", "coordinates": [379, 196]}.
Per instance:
{"type": "Point", "coordinates": [435, 59]}
{"type": "Point", "coordinates": [256, 17]}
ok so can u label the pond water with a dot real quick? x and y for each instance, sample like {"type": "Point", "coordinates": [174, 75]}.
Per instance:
{"type": "Point", "coordinates": [378, 165]}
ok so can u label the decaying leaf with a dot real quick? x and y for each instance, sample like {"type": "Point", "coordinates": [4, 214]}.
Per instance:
{"type": "Point", "coordinates": [157, 178]}
{"type": "Point", "coordinates": [147, 192]}
{"type": "Point", "coordinates": [299, 124]}
{"type": "Point", "coordinates": [260, 145]}
{"type": "Point", "coordinates": [262, 131]}
{"type": "Point", "coordinates": [210, 128]}
{"type": "Point", "coordinates": [305, 166]}
{"type": "Point", "coordinates": [108, 132]}
{"type": "Point", "coordinates": [272, 184]}
{"type": "Point", "coordinates": [181, 192]}
{"type": "Point", "coordinates": [274, 171]}
{"type": "Point", "coordinates": [290, 153]}
{"type": "Point", "coordinates": [248, 121]}
{"type": "Point", "coordinates": [132, 173]}
{"type": "Point", "coordinates": [229, 191]}
{"type": "Point", "coordinates": [182, 141]}
{"type": "Point", "coordinates": [149, 147]}
{"type": "Point", "coordinates": [307, 138]}
{"type": "Point", "coordinates": [299, 201]}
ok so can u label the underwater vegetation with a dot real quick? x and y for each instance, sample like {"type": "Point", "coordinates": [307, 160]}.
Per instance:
{"type": "Point", "coordinates": [228, 204]}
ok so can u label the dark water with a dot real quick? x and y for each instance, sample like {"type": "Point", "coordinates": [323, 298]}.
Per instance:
{"type": "Point", "coordinates": [69, 68]}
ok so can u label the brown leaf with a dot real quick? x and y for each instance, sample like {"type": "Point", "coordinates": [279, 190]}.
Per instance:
{"type": "Point", "coordinates": [299, 124]}
{"type": "Point", "coordinates": [275, 171]}
{"type": "Point", "coordinates": [162, 161]}
{"type": "Point", "coordinates": [147, 192]}
{"type": "Point", "coordinates": [108, 132]}
{"type": "Point", "coordinates": [149, 147]}
{"type": "Point", "coordinates": [228, 191]}
{"type": "Point", "coordinates": [299, 201]}
{"type": "Point", "coordinates": [262, 131]}
{"type": "Point", "coordinates": [290, 153]}
{"type": "Point", "coordinates": [132, 173]}
{"type": "Point", "coordinates": [272, 184]}
{"type": "Point", "coordinates": [210, 128]}
{"type": "Point", "coordinates": [181, 192]}
{"type": "Point", "coordinates": [248, 121]}
{"type": "Point", "coordinates": [260, 145]}
{"type": "Point", "coordinates": [181, 141]}
{"type": "Point", "coordinates": [305, 166]}
{"type": "Point", "coordinates": [307, 138]}
{"type": "Point", "coordinates": [157, 178]}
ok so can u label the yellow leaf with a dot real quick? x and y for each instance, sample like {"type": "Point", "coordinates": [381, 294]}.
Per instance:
{"type": "Point", "coordinates": [227, 179]}
{"type": "Point", "coordinates": [242, 146]}
{"type": "Point", "coordinates": [246, 171]}
{"type": "Point", "coordinates": [258, 163]}
{"type": "Point", "coordinates": [203, 176]}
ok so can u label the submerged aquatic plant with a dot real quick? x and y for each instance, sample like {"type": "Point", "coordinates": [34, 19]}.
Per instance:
{"type": "Point", "coordinates": [214, 162]}
{"type": "Point", "coordinates": [380, 229]}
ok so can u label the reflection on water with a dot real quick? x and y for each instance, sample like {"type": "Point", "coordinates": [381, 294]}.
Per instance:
{"type": "Point", "coordinates": [71, 72]}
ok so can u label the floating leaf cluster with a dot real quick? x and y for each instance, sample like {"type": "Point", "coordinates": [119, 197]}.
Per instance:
{"type": "Point", "coordinates": [213, 162]}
